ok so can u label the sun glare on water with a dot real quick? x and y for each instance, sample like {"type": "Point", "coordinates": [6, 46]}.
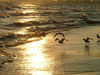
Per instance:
{"type": "Point", "coordinates": [33, 53]}
{"type": "Point", "coordinates": [28, 11]}
{"type": "Point", "coordinates": [36, 44]}
{"type": "Point", "coordinates": [36, 58]}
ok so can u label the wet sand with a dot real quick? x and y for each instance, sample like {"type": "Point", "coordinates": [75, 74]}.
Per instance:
{"type": "Point", "coordinates": [48, 57]}
{"type": "Point", "coordinates": [82, 59]}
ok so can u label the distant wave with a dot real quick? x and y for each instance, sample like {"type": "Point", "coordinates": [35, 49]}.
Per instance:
{"type": "Point", "coordinates": [8, 8]}
{"type": "Point", "coordinates": [19, 24]}
{"type": "Point", "coordinates": [20, 38]}
{"type": "Point", "coordinates": [92, 21]}
{"type": "Point", "coordinates": [34, 23]}
{"type": "Point", "coordinates": [5, 15]}
{"type": "Point", "coordinates": [32, 32]}
{"type": "Point", "coordinates": [84, 16]}
{"type": "Point", "coordinates": [21, 14]}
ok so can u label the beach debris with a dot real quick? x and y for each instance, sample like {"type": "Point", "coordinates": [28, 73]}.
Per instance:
{"type": "Point", "coordinates": [87, 40]}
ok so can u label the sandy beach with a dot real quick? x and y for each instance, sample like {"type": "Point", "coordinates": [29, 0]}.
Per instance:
{"type": "Point", "coordinates": [48, 57]}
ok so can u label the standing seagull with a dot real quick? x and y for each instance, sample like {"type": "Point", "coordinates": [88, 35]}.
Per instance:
{"type": "Point", "coordinates": [60, 34]}
{"type": "Point", "coordinates": [60, 40]}
{"type": "Point", "coordinates": [87, 40]}
{"type": "Point", "coordinates": [98, 36]}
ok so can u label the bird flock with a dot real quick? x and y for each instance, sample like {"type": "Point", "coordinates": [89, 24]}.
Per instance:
{"type": "Point", "coordinates": [87, 40]}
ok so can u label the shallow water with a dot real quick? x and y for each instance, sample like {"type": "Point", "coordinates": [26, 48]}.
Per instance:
{"type": "Point", "coordinates": [48, 57]}
{"type": "Point", "coordinates": [28, 41]}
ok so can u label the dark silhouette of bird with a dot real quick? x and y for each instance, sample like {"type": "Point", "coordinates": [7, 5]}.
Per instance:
{"type": "Point", "coordinates": [98, 36]}
{"type": "Point", "coordinates": [87, 40]}
{"type": "Point", "coordinates": [60, 40]}
{"type": "Point", "coordinates": [60, 34]}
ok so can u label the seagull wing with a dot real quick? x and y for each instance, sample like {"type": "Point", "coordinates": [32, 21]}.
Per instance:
{"type": "Point", "coordinates": [60, 34]}
{"type": "Point", "coordinates": [89, 38]}
{"type": "Point", "coordinates": [98, 36]}
{"type": "Point", "coordinates": [66, 39]}
{"type": "Point", "coordinates": [56, 39]}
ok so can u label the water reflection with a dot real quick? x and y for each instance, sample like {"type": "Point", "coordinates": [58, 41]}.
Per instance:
{"type": "Point", "coordinates": [27, 5]}
{"type": "Point", "coordinates": [87, 50]}
{"type": "Point", "coordinates": [39, 62]}
{"type": "Point", "coordinates": [98, 42]}
{"type": "Point", "coordinates": [98, 48]}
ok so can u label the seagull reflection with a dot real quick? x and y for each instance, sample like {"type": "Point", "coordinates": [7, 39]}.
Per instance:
{"type": "Point", "coordinates": [98, 41]}
{"type": "Point", "coordinates": [87, 48]}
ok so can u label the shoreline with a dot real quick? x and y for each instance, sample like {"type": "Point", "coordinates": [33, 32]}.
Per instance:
{"type": "Point", "coordinates": [89, 73]}
{"type": "Point", "coordinates": [31, 48]}
{"type": "Point", "coordinates": [67, 50]}
{"type": "Point", "coordinates": [5, 56]}
{"type": "Point", "coordinates": [3, 52]}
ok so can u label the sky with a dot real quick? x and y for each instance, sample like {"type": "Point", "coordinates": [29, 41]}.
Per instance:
{"type": "Point", "coordinates": [40, 0]}
{"type": "Point", "coordinates": [4, 0]}
{"type": "Point", "coordinates": [28, 0]}
{"type": "Point", "coordinates": [23, 0]}
{"type": "Point", "coordinates": [18, 0]}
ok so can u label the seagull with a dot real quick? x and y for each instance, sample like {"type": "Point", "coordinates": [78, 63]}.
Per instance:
{"type": "Point", "coordinates": [98, 36]}
{"type": "Point", "coordinates": [60, 34]}
{"type": "Point", "coordinates": [87, 40]}
{"type": "Point", "coordinates": [60, 40]}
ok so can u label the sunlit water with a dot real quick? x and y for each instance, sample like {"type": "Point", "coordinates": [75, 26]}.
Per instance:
{"type": "Point", "coordinates": [48, 57]}
{"type": "Point", "coordinates": [38, 54]}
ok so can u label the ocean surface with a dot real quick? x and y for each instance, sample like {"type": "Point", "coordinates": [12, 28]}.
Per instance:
{"type": "Point", "coordinates": [24, 24]}
{"type": "Point", "coordinates": [18, 21]}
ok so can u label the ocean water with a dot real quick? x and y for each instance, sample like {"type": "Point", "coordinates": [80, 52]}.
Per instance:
{"type": "Point", "coordinates": [19, 21]}
{"type": "Point", "coordinates": [24, 24]}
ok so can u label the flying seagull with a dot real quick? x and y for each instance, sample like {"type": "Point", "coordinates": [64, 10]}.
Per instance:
{"type": "Point", "coordinates": [87, 40]}
{"type": "Point", "coordinates": [60, 40]}
{"type": "Point", "coordinates": [98, 36]}
{"type": "Point", "coordinates": [60, 34]}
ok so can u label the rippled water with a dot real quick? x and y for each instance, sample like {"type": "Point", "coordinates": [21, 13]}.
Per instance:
{"type": "Point", "coordinates": [27, 30]}
{"type": "Point", "coordinates": [19, 20]}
